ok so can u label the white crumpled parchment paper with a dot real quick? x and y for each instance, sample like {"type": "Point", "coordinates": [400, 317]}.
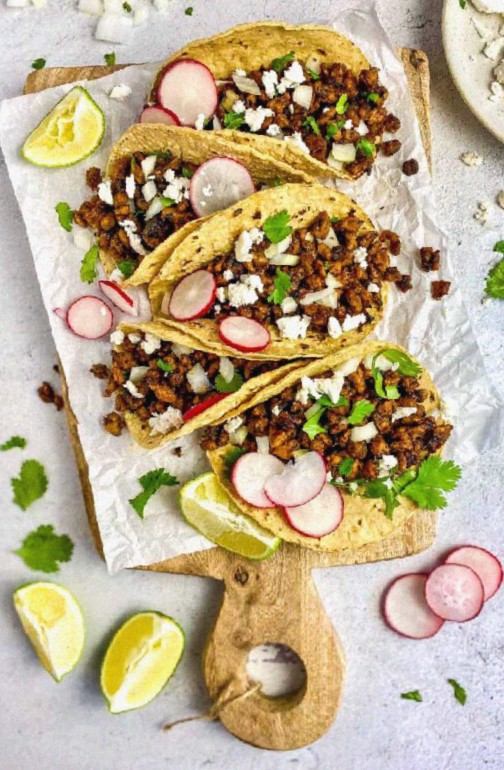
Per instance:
{"type": "Point", "coordinates": [439, 333]}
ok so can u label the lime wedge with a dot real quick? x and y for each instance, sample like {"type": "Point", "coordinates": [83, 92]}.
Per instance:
{"type": "Point", "coordinates": [72, 131]}
{"type": "Point", "coordinates": [53, 622]}
{"type": "Point", "coordinates": [209, 509]}
{"type": "Point", "coordinates": [140, 659]}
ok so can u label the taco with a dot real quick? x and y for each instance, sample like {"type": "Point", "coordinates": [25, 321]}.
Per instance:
{"type": "Point", "coordinates": [156, 186]}
{"type": "Point", "coordinates": [166, 384]}
{"type": "Point", "coordinates": [305, 95]}
{"type": "Point", "coordinates": [366, 424]}
{"type": "Point", "coordinates": [295, 271]}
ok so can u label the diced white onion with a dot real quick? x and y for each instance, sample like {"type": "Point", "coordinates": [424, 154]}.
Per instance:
{"type": "Point", "coordinates": [278, 248]}
{"type": "Point", "coordinates": [149, 190]}
{"type": "Point", "coordinates": [331, 239]}
{"type": "Point", "coordinates": [302, 95]}
{"type": "Point", "coordinates": [332, 282]}
{"type": "Point", "coordinates": [262, 445]}
{"type": "Point", "coordinates": [148, 165]}
{"type": "Point", "coordinates": [350, 366]}
{"type": "Point", "coordinates": [246, 85]}
{"type": "Point", "coordinates": [154, 209]}
{"type": "Point", "coordinates": [227, 369]}
{"type": "Point", "coordinates": [83, 238]}
{"type": "Point", "coordinates": [114, 29]}
{"type": "Point", "coordinates": [336, 164]}
{"type": "Point", "coordinates": [289, 260]}
{"type": "Point", "coordinates": [181, 350]}
{"type": "Point", "coordinates": [91, 7]}
{"type": "Point", "coordinates": [138, 373]}
{"type": "Point", "coordinates": [345, 153]}
{"type": "Point", "coordinates": [316, 296]}
{"type": "Point", "coordinates": [198, 379]}
{"type": "Point", "coordinates": [239, 436]}
{"type": "Point", "coordinates": [363, 432]}
{"type": "Point", "coordinates": [313, 63]}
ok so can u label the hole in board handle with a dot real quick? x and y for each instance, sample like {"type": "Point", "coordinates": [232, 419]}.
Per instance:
{"type": "Point", "coordinates": [278, 668]}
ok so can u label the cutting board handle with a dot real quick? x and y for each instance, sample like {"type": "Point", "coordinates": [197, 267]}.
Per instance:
{"type": "Point", "coordinates": [274, 601]}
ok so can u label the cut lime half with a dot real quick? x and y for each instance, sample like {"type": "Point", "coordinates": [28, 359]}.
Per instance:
{"type": "Point", "coordinates": [140, 659]}
{"type": "Point", "coordinates": [209, 509]}
{"type": "Point", "coordinates": [53, 622]}
{"type": "Point", "coordinates": [72, 131]}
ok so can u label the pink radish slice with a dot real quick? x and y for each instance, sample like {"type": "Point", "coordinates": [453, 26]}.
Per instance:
{"type": "Point", "coordinates": [217, 184]}
{"type": "Point", "coordinates": [89, 317]}
{"type": "Point", "coordinates": [120, 298]}
{"type": "Point", "coordinates": [320, 516]}
{"type": "Point", "coordinates": [487, 566]}
{"type": "Point", "coordinates": [193, 296]}
{"type": "Point", "coordinates": [244, 334]}
{"type": "Point", "coordinates": [299, 483]}
{"type": "Point", "coordinates": [454, 592]}
{"type": "Point", "coordinates": [157, 114]}
{"type": "Point", "coordinates": [60, 312]}
{"type": "Point", "coordinates": [405, 609]}
{"type": "Point", "coordinates": [249, 475]}
{"type": "Point", "coordinates": [187, 88]}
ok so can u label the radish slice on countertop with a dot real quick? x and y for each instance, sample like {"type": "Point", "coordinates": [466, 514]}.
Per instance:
{"type": "Point", "coordinates": [119, 297]}
{"type": "Point", "coordinates": [299, 483]}
{"type": "Point", "coordinates": [194, 411]}
{"type": "Point", "coordinates": [218, 183]}
{"type": "Point", "coordinates": [89, 317]}
{"type": "Point", "coordinates": [244, 334]}
{"type": "Point", "coordinates": [193, 296]}
{"type": "Point", "coordinates": [250, 473]}
{"type": "Point", "coordinates": [454, 592]}
{"type": "Point", "coordinates": [320, 516]}
{"type": "Point", "coordinates": [405, 609]}
{"type": "Point", "coordinates": [487, 566]}
{"type": "Point", "coordinates": [60, 312]}
{"type": "Point", "coordinates": [187, 88]}
{"type": "Point", "coordinates": [158, 114]}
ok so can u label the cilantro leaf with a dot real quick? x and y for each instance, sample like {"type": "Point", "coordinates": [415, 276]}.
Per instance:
{"type": "Point", "coordinates": [312, 426]}
{"type": "Point", "coordinates": [499, 247]}
{"type": "Point", "coordinates": [150, 483]}
{"type": "Point", "coordinates": [30, 485]}
{"type": "Point", "coordinates": [65, 215]}
{"type": "Point", "coordinates": [281, 62]}
{"type": "Point", "coordinates": [407, 366]}
{"type": "Point", "coordinates": [434, 477]}
{"type": "Point", "coordinates": [164, 366]}
{"type": "Point", "coordinates": [234, 120]}
{"type": "Point", "coordinates": [282, 287]}
{"type": "Point", "coordinates": [38, 64]}
{"type": "Point", "coordinates": [380, 489]}
{"type": "Point", "coordinates": [389, 391]}
{"type": "Point", "coordinates": [232, 455]}
{"type": "Point", "coordinates": [166, 202]}
{"type": "Point", "coordinates": [110, 58]}
{"type": "Point", "coordinates": [458, 691]}
{"type": "Point", "coordinates": [13, 443]}
{"type": "Point", "coordinates": [89, 269]}
{"type": "Point", "coordinates": [333, 129]}
{"type": "Point", "coordinates": [228, 387]}
{"type": "Point", "coordinates": [367, 148]}
{"type": "Point", "coordinates": [311, 123]}
{"type": "Point", "coordinates": [127, 267]}
{"type": "Point", "coordinates": [415, 695]}
{"type": "Point", "coordinates": [360, 411]}
{"type": "Point", "coordinates": [495, 281]}
{"type": "Point", "coordinates": [42, 549]}
{"type": "Point", "coordinates": [345, 466]}
{"type": "Point", "coordinates": [373, 98]}
{"type": "Point", "coordinates": [189, 11]}
{"type": "Point", "coordinates": [127, 7]}
{"type": "Point", "coordinates": [276, 227]}
{"type": "Point", "coordinates": [462, 3]}
{"type": "Point", "coordinates": [327, 401]}
{"type": "Point", "coordinates": [187, 173]}
{"type": "Point", "coordinates": [342, 104]}
{"type": "Point", "coordinates": [314, 75]}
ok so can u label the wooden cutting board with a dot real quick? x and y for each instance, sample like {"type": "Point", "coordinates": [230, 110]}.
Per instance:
{"type": "Point", "coordinates": [273, 601]}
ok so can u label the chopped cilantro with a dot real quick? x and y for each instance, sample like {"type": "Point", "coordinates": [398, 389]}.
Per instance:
{"type": "Point", "coordinates": [127, 7]}
{"type": "Point", "coordinates": [189, 11]}
{"type": "Point", "coordinates": [379, 489]}
{"type": "Point", "coordinates": [65, 215]}
{"type": "Point", "coordinates": [389, 391]}
{"type": "Point", "coordinates": [360, 411]}
{"type": "Point", "coordinates": [345, 466]}
{"type": "Point", "coordinates": [342, 104]}
{"type": "Point", "coordinates": [333, 129]}
{"type": "Point", "coordinates": [232, 455]}
{"type": "Point", "coordinates": [277, 182]}
{"type": "Point", "coordinates": [234, 120]}
{"type": "Point", "coordinates": [412, 695]}
{"type": "Point", "coordinates": [373, 98]}
{"type": "Point", "coordinates": [282, 287]}
{"type": "Point", "coordinates": [228, 387]}
{"type": "Point", "coordinates": [38, 64]}
{"type": "Point", "coordinates": [458, 691]}
{"type": "Point", "coordinates": [334, 220]}
{"type": "Point", "coordinates": [15, 442]}
{"type": "Point", "coordinates": [314, 75]}
{"type": "Point", "coordinates": [187, 173]}
{"type": "Point", "coordinates": [30, 485]}
{"type": "Point", "coordinates": [42, 549]}
{"type": "Point", "coordinates": [499, 247]}
{"type": "Point", "coordinates": [366, 147]}
{"type": "Point", "coordinates": [276, 227]}
{"type": "Point", "coordinates": [494, 286]}
{"type": "Point", "coordinates": [110, 58]}
{"type": "Point", "coordinates": [311, 123]}
{"type": "Point", "coordinates": [164, 365]}
{"type": "Point", "coordinates": [127, 267]}
{"type": "Point", "coordinates": [281, 62]}
{"type": "Point", "coordinates": [166, 202]}
{"type": "Point", "coordinates": [434, 477]}
{"type": "Point", "coordinates": [150, 483]}
{"type": "Point", "coordinates": [462, 3]}
{"type": "Point", "coordinates": [89, 269]}
{"type": "Point", "coordinates": [407, 366]}
{"type": "Point", "coordinates": [312, 426]}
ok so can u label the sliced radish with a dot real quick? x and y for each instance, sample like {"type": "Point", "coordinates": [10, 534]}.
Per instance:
{"type": "Point", "coordinates": [320, 516]}
{"type": "Point", "coordinates": [454, 592]}
{"type": "Point", "coordinates": [60, 312]}
{"type": "Point", "coordinates": [218, 183]}
{"type": "Point", "coordinates": [251, 472]}
{"type": "Point", "coordinates": [194, 411]}
{"type": "Point", "coordinates": [158, 114]}
{"type": "Point", "coordinates": [89, 317]}
{"type": "Point", "coordinates": [244, 334]}
{"type": "Point", "coordinates": [187, 88]}
{"type": "Point", "coordinates": [487, 566]}
{"type": "Point", "coordinates": [299, 483]}
{"type": "Point", "coordinates": [405, 609]}
{"type": "Point", "coordinates": [120, 298]}
{"type": "Point", "coordinates": [193, 296]}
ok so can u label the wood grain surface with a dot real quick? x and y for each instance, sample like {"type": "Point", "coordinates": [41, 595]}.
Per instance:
{"type": "Point", "coordinates": [276, 600]}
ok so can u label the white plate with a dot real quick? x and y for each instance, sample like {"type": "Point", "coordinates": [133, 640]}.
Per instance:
{"type": "Point", "coordinates": [470, 69]}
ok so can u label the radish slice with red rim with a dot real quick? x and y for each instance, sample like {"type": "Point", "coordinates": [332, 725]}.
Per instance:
{"type": "Point", "coordinates": [405, 610]}
{"type": "Point", "coordinates": [89, 317]}
{"type": "Point", "coordinates": [487, 566]}
{"type": "Point", "coordinates": [187, 88]}
{"type": "Point", "coordinates": [299, 483]}
{"type": "Point", "coordinates": [119, 297]}
{"type": "Point", "coordinates": [249, 475]}
{"type": "Point", "coordinates": [218, 183]}
{"type": "Point", "coordinates": [193, 296]}
{"type": "Point", "coordinates": [454, 592]}
{"type": "Point", "coordinates": [244, 334]}
{"type": "Point", "coordinates": [320, 516]}
{"type": "Point", "coordinates": [194, 411]}
{"type": "Point", "coordinates": [158, 114]}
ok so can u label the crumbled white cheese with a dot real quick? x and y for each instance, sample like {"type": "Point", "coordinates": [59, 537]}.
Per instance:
{"type": "Point", "coordinates": [150, 343]}
{"type": "Point", "coordinates": [241, 294]}
{"type": "Point", "coordinates": [244, 243]}
{"type": "Point", "coordinates": [177, 187]}
{"type": "Point", "coordinates": [252, 281]}
{"type": "Point", "coordinates": [148, 165]}
{"type": "Point", "coordinates": [348, 124]}
{"type": "Point", "coordinates": [169, 420]}
{"type": "Point", "coordinates": [239, 107]}
{"type": "Point", "coordinates": [134, 338]}
{"type": "Point", "coordinates": [233, 424]}
{"type": "Point", "coordinates": [328, 386]}
{"type": "Point", "coordinates": [362, 129]}
{"type": "Point", "coordinates": [276, 410]}
{"type": "Point", "coordinates": [500, 199]}
{"type": "Point", "coordinates": [403, 411]}
{"type": "Point", "coordinates": [200, 122]}
{"type": "Point", "coordinates": [360, 255]}
{"type": "Point", "coordinates": [385, 465]}
{"type": "Point", "coordinates": [228, 275]}
{"type": "Point", "coordinates": [293, 75]}
{"type": "Point", "coordinates": [297, 140]}
{"type": "Point", "coordinates": [471, 158]}
{"type": "Point", "coordinates": [221, 293]}
{"type": "Point", "coordinates": [238, 437]}
{"type": "Point", "coordinates": [334, 328]}
{"type": "Point", "coordinates": [493, 48]}
{"type": "Point", "coordinates": [274, 130]}
{"type": "Point", "coordinates": [289, 305]}
{"type": "Point", "coordinates": [105, 192]}
{"type": "Point", "coordinates": [293, 327]}
{"type": "Point", "coordinates": [130, 186]}
{"type": "Point", "coordinates": [309, 389]}
{"type": "Point", "coordinates": [270, 82]}
{"type": "Point", "coordinates": [352, 322]}
{"type": "Point", "coordinates": [120, 92]}
{"type": "Point", "coordinates": [132, 389]}
{"type": "Point", "coordinates": [239, 73]}
{"type": "Point", "coordinates": [134, 239]}
{"type": "Point", "coordinates": [198, 379]}
{"type": "Point", "coordinates": [255, 118]}
{"type": "Point", "coordinates": [117, 337]}
{"type": "Point", "coordinates": [373, 288]}
{"type": "Point", "coordinates": [149, 191]}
